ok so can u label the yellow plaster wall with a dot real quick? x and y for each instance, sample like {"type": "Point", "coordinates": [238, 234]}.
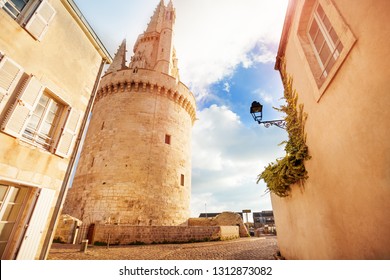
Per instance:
{"type": "Point", "coordinates": [67, 63]}
{"type": "Point", "coordinates": [342, 211]}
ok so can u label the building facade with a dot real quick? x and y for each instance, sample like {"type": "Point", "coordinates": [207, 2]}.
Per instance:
{"type": "Point", "coordinates": [263, 218]}
{"type": "Point", "coordinates": [135, 166]}
{"type": "Point", "coordinates": [43, 101]}
{"type": "Point", "coordinates": [338, 56]}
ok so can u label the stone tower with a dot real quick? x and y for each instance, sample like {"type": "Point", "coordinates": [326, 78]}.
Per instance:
{"type": "Point", "coordinates": [135, 166]}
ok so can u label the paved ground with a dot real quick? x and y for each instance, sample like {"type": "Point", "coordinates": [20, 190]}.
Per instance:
{"type": "Point", "coordinates": [251, 248]}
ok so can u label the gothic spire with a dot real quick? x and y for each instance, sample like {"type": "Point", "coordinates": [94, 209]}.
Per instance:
{"type": "Point", "coordinates": [119, 61]}
{"type": "Point", "coordinates": [156, 19]}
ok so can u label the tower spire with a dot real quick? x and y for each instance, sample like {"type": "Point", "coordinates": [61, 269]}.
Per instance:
{"type": "Point", "coordinates": [119, 61]}
{"type": "Point", "coordinates": [155, 20]}
{"type": "Point", "coordinates": [134, 107]}
{"type": "Point", "coordinates": [154, 48]}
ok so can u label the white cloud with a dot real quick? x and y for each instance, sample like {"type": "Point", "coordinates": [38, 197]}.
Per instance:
{"type": "Point", "coordinates": [214, 37]}
{"type": "Point", "coordinates": [227, 157]}
{"type": "Point", "coordinates": [211, 37]}
{"type": "Point", "coordinates": [266, 97]}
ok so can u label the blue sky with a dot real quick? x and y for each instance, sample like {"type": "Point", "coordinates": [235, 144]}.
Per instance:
{"type": "Point", "coordinates": [226, 51]}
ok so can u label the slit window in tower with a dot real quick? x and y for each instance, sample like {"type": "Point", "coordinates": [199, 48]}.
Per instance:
{"type": "Point", "coordinates": [168, 139]}
{"type": "Point", "coordinates": [182, 179]}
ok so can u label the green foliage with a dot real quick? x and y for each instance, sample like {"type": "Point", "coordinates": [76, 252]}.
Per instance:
{"type": "Point", "coordinates": [290, 169]}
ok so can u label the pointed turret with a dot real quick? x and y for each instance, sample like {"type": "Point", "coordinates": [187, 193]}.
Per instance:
{"type": "Point", "coordinates": [154, 48]}
{"type": "Point", "coordinates": [156, 19]}
{"type": "Point", "coordinates": [170, 4]}
{"type": "Point", "coordinates": [119, 61]}
{"type": "Point", "coordinates": [164, 63]}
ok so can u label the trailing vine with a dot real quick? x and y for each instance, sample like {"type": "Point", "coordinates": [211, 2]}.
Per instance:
{"type": "Point", "coordinates": [290, 169]}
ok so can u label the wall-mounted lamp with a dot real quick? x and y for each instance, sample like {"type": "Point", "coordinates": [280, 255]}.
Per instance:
{"type": "Point", "coordinates": [257, 114]}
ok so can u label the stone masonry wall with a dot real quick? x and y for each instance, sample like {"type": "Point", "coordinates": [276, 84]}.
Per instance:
{"type": "Point", "coordinates": [135, 166]}
{"type": "Point", "coordinates": [125, 234]}
{"type": "Point", "coordinates": [223, 219]}
{"type": "Point", "coordinates": [67, 229]}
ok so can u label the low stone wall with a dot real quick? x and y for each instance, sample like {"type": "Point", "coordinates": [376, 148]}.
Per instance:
{"type": "Point", "coordinates": [67, 229]}
{"type": "Point", "coordinates": [126, 234]}
{"type": "Point", "coordinates": [229, 232]}
{"type": "Point", "coordinates": [223, 219]}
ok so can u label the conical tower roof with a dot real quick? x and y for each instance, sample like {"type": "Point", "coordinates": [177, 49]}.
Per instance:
{"type": "Point", "coordinates": [119, 61]}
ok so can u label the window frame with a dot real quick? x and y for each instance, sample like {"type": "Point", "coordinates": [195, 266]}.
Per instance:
{"type": "Point", "coordinates": [37, 133]}
{"type": "Point", "coordinates": [19, 114]}
{"type": "Point", "coordinates": [3, 5]}
{"type": "Point", "coordinates": [307, 50]}
{"type": "Point", "coordinates": [5, 203]}
{"type": "Point", "coordinates": [334, 50]}
{"type": "Point", "coordinates": [26, 13]}
{"type": "Point", "coordinates": [31, 18]}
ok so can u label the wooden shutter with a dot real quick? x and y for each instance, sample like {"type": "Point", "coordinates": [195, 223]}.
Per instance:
{"type": "Point", "coordinates": [10, 74]}
{"type": "Point", "coordinates": [36, 226]}
{"type": "Point", "coordinates": [69, 134]}
{"type": "Point", "coordinates": [39, 22]}
{"type": "Point", "coordinates": [16, 119]}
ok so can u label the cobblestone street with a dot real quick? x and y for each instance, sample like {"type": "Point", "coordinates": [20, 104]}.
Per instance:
{"type": "Point", "coordinates": [251, 248]}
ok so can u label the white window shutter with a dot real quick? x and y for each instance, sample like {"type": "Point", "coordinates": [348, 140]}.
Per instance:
{"type": "Point", "coordinates": [10, 74]}
{"type": "Point", "coordinates": [39, 22]}
{"type": "Point", "coordinates": [2, 3]}
{"type": "Point", "coordinates": [16, 119]}
{"type": "Point", "coordinates": [36, 226]}
{"type": "Point", "coordinates": [69, 134]}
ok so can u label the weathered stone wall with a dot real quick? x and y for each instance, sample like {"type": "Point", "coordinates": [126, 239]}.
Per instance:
{"type": "Point", "coordinates": [67, 229]}
{"type": "Point", "coordinates": [125, 234]}
{"type": "Point", "coordinates": [127, 173]}
{"type": "Point", "coordinates": [229, 232]}
{"type": "Point", "coordinates": [223, 219]}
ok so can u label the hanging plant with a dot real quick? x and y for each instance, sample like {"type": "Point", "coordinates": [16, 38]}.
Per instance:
{"type": "Point", "coordinates": [290, 169]}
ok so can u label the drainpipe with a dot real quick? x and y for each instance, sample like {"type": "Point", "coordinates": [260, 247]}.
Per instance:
{"type": "Point", "coordinates": [64, 187]}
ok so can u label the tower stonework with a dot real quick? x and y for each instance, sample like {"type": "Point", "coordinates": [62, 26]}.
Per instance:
{"type": "Point", "coordinates": [135, 166]}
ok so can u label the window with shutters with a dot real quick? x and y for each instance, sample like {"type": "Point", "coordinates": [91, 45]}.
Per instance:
{"type": "Point", "coordinates": [40, 118]}
{"type": "Point", "coordinates": [34, 15]}
{"type": "Point", "coordinates": [14, 7]}
{"type": "Point", "coordinates": [43, 121]}
{"type": "Point", "coordinates": [326, 41]}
